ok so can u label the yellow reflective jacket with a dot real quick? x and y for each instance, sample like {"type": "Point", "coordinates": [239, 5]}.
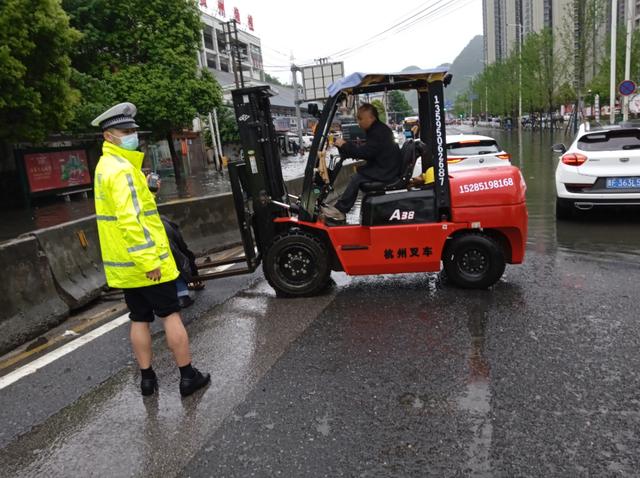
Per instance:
{"type": "Point", "coordinates": [133, 240]}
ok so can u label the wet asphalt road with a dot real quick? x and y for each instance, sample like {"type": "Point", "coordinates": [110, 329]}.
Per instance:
{"type": "Point", "coordinates": [383, 376]}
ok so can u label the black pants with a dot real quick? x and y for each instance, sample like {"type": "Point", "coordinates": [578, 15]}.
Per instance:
{"type": "Point", "coordinates": [143, 302]}
{"type": "Point", "coordinates": [349, 196]}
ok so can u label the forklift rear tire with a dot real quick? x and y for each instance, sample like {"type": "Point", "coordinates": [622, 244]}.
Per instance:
{"type": "Point", "coordinates": [473, 261]}
{"type": "Point", "coordinates": [297, 265]}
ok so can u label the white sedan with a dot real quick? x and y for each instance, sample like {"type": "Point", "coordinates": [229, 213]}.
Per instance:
{"type": "Point", "coordinates": [600, 169]}
{"type": "Point", "coordinates": [468, 151]}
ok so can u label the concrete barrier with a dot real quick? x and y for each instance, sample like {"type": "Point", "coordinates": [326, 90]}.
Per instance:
{"type": "Point", "coordinates": [54, 270]}
{"type": "Point", "coordinates": [73, 252]}
{"type": "Point", "coordinates": [29, 301]}
{"type": "Point", "coordinates": [207, 224]}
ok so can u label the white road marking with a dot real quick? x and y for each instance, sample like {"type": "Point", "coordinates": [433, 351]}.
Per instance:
{"type": "Point", "coordinates": [69, 347]}
{"type": "Point", "coordinates": [54, 355]}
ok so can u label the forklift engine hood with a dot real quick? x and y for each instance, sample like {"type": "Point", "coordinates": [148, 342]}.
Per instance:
{"type": "Point", "coordinates": [497, 186]}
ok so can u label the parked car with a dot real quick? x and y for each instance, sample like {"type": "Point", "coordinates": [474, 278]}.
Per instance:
{"type": "Point", "coordinates": [600, 169]}
{"type": "Point", "coordinates": [468, 151]}
{"type": "Point", "coordinates": [306, 139]}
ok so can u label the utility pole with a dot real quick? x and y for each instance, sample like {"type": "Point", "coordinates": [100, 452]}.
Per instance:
{"type": "Point", "coordinates": [232, 64]}
{"type": "Point", "coordinates": [471, 101]}
{"type": "Point", "coordinates": [519, 26]}
{"type": "Point", "coordinates": [386, 106]}
{"type": "Point", "coordinates": [520, 76]}
{"type": "Point", "coordinates": [231, 32]}
{"type": "Point", "coordinates": [214, 142]}
{"type": "Point", "coordinates": [217, 129]}
{"type": "Point", "coordinates": [486, 102]}
{"type": "Point", "coordinates": [612, 77]}
{"type": "Point", "coordinates": [296, 100]}
{"type": "Point", "coordinates": [629, 10]}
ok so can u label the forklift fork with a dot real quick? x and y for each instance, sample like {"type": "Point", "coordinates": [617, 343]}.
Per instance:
{"type": "Point", "coordinates": [245, 216]}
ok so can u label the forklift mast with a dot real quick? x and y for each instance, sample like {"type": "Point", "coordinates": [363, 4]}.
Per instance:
{"type": "Point", "coordinates": [258, 187]}
{"type": "Point", "coordinates": [433, 134]}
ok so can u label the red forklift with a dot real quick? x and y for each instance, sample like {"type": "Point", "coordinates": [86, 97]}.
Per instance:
{"type": "Point", "coordinates": [471, 224]}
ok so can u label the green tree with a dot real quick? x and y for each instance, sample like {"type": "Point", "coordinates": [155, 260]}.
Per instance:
{"type": "Point", "coordinates": [147, 55]}
{"type": "Point", "coordinates": [399, 107]}
{"type": "Point", "coordinates": [542, 73]}
{"type": "Point", "coordinates": [461, 104]}
{"type": "Point", "coordinates": [496, 89]}
{"type": "Point", "coordinates": [580, 47]}
{"type": "Point", "coordinates": [274, 80]}
{"type": "Point", "coordinates": [35, 96]}
{"type": "Point", "coordinates": [382, 115]}
{"type": "Point", "coordinates": [601, 82]}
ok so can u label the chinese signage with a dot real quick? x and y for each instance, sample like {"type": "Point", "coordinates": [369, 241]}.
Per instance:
{"type": "Point", "coordinates": [408, 252]}
{"type": "Point", "coordinates": [203, 3]}
{"type": "Point", "coordinates": [56, 170]}
{"type": "Point", "coordinates": [221, 7]}
{"type": "Point", "coordinates": [236, 14]}
{"type": "Point", "coordinates": [250, 22]}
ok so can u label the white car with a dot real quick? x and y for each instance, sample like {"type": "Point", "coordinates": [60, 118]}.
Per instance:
{"type": "Point", "coordinates": [601, 168]}
{"type": "Point", "coordinates": [307, 139]}
{"type": "Point", "coordinates": [468, 151]}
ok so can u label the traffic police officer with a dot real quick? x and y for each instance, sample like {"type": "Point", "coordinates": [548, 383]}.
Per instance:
{"type": "Point", "coordinates": [135, 248]}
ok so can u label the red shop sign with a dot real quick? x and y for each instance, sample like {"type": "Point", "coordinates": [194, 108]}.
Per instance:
{"type": "Point", "coordinates": [56, 170]}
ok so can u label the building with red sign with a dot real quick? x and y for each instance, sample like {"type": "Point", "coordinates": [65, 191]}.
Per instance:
{"type": "Point", "coordinates": [217, 47]}
{"type": "Point", "coordinates": [216, 50]}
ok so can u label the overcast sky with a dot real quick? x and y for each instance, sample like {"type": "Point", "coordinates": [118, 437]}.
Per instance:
{"type": "Point", "coordinates": [319, 29]}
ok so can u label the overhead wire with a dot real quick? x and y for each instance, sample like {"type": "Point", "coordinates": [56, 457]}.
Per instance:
{"type": "Point", "coordinates": [405, 18]}
{"type": "Point", "coordinates": [427, 11]}
{"type": "Point", "coordinates": [438, 9]}
{"type": "Point", "coordinates": [402, 18]}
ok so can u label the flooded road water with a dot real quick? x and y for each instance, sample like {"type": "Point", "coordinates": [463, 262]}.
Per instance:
{"type": "Point", "coordinates": [607, 234]}
{"type": "Point", "coordinates": [392, 375]}
{"type": "Point", "coordinates": [53, 211]}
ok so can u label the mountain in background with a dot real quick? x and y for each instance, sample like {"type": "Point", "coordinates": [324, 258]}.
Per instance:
{"type": "Point", "coordinates": [467, 64]}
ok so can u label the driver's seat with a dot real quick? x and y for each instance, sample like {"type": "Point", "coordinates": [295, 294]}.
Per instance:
{"type": "Point", "coordinates": [408, 154]}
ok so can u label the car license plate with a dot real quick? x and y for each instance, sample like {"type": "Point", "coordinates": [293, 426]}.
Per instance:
{"type": "Point", "coordinates": [623, 183]}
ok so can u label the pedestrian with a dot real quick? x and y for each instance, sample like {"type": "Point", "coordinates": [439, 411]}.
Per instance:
{"type": "Point", "coordinates": [294, 147]}
{"type": "Point", "coordinates": [135, 249]}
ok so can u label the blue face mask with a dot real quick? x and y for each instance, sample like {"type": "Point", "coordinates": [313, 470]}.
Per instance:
{"type": "Point", "coordinates": [129, 142]}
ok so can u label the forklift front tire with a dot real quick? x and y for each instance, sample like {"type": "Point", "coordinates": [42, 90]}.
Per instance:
{"type": "Point", "coordinates": [297, 265]}
{"type": "Point", "coordinates": [473, 261]}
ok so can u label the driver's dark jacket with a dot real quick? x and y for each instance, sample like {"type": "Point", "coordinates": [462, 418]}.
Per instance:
{"type": "Point", "coordinates": [380, 152]}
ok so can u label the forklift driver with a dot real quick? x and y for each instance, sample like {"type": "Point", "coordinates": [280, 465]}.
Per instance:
{"type": "Point", "coordinates": [381, 153]}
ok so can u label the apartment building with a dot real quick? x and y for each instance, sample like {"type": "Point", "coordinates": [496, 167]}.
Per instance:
{"type": "Point", "coordinates": [217, 46]}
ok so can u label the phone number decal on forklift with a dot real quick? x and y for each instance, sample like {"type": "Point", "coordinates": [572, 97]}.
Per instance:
{"type": "Point", "coordinates": [486, 185]}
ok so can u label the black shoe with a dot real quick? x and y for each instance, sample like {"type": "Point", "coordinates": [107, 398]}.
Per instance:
{"type": "Point", "coordinates": [190, 385]}
{"type": "Point", "coordinates": [185, 301]}
{"type": "Point", "coordinates": [148, 386]}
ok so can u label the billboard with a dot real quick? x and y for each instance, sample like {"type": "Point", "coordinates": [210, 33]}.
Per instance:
{"type": "Point", "coordinates": [56, 170]}
{"type": "Point", "coordinates": [315, 79]}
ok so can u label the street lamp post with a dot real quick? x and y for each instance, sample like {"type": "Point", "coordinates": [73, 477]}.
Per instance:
{"type": "Point", "coordinates": [471, 95]}
{"type": "Point", "coordinates": [519, 25]}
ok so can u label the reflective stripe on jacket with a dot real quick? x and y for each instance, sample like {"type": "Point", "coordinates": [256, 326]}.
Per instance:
{"type": "Point", "coordinates": [132, 238]}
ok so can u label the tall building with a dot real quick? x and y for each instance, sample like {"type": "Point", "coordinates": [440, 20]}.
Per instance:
{"type": "Point", "coordinates": [502, 20]}
{"type": "Point", "coordinates": [218, 53]}
{"type": "Point", "coordinates": [217, 48]}
{"type": "Point", "coordinates": [506, 22]}
{"type": "Point", "coordinates": [580, 28]}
